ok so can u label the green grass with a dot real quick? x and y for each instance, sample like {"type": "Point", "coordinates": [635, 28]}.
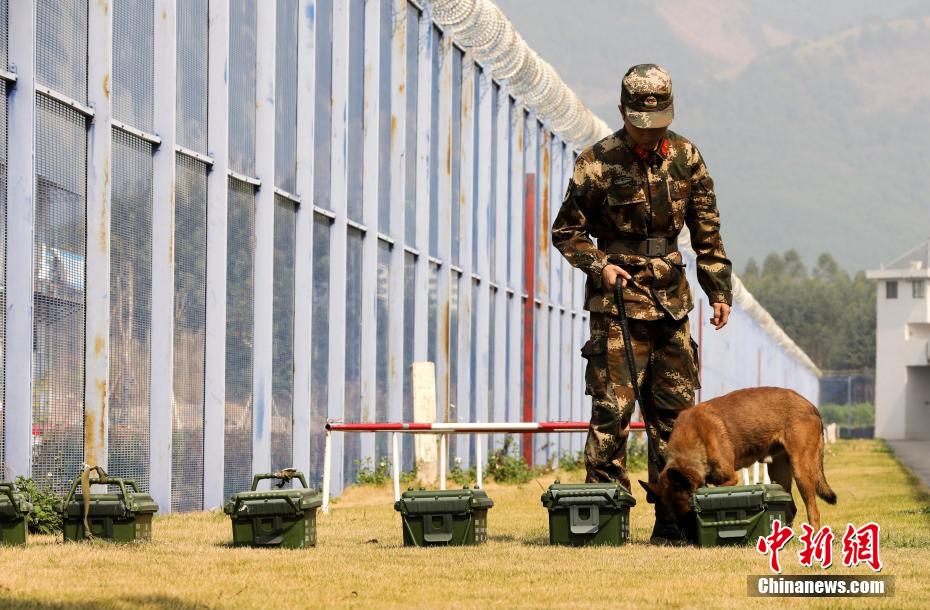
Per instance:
{"type": "Point", "coordinates": [360, 561]}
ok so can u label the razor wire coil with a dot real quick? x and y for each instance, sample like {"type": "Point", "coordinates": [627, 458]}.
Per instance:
{"type": "Point", "coordinates": [480, 27]}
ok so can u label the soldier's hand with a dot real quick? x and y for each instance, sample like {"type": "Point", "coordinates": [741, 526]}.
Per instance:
{"type": "Point", "coordinates": [721, 315]}
{"type": "Point", "coordinates": [610, 274]}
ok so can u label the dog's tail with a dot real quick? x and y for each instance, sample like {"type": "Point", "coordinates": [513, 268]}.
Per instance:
{"type": "Point", "coordinates": [823, 488]}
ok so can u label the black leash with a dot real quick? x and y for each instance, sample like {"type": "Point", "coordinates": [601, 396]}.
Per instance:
{"type": "Point", "coordinates": [631, 363]}
{"type": "Point", "coordinates": [627, 343]}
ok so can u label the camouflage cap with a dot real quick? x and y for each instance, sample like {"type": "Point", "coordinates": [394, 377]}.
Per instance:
{"type": "Point", "coordinates": [647, 96]}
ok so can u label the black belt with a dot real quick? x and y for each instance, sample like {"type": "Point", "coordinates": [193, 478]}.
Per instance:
{"type": "Point", "coordinates": [651, 246]}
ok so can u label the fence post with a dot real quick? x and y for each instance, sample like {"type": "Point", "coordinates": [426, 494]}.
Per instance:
{"type": "Point", "coordinates": [424, 411]}
{"type": "Point", "coordinates": [395, 465]}
{"type": "Point", "coordinates": [479, 461]}
{"type": "Point", "coordinates": [443, 452]}
{"type": "Point", "coordinates": [327, 470]}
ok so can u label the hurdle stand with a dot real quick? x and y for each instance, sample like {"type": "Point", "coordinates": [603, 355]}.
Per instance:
{"type": "Point", "coordinates": [442, 430]}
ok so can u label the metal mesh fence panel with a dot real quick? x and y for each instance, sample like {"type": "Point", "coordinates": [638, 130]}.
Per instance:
{"type": "Point", "coordinates": [240, 310]}
{"type": "Point", "coordinates": [435, 59]}
{"type": "Point", "coordinates": [452, 413]}
{"type": "Point", "coordinates": [410, 320]}
{"type": "Point", "coordinates": [58, 283]}
{"type": "Point", "coordinates": [130, 307]}
{"type": "Point", "coordinates": [456, 203]}
{"type": "Point", "coordinates": [190, 280]}
{"type": "Point", "coordinates": [61, 46]}
{"type": "Point", "coordinates": [192, 74]}
{"type": "Point", "coordinates": [380, 97]}
{"type": "Point", "coordinates": [383, 348]}
{"type": "Point", "coordinates": [412, 47]}
{"type": "Point", "coordinates": [431, 311]}
{"type": "Point", "coordinates": [285, 93]}
{"type": "Point", "coordinates": [3, 162]}
{"type": "Point", "coordinates": [4, 29]}
{"type": "Point", "coordinates": [353, 346]}
{"type": "Point", "coordinates": [133, 43]}
{"type": "Point", "coordinates": [242, 50]}
{"type": "Point", "coordinates": [355, 108]}
{"type": "Point", "coordinates": [282, 381]}
{"type": "Point", "coordinates": [319, 348]}
{"type": "Point", "coordinates": [322, 107]}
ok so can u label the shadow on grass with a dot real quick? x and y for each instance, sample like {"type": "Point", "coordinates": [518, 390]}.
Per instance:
{"type": "Point", "coordinates": [536, 541]}
{"type": "Point", "coordinates": [131, 601]}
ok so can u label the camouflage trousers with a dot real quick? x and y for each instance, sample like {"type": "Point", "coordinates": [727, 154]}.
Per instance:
{"type": "Point", "coordinates": [667, 365]}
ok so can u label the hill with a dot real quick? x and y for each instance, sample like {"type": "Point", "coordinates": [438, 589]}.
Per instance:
{"type": "Point", "coordinates": [812, 117]}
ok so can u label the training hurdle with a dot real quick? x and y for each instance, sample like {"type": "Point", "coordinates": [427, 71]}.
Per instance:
{"type": "Point", "coordinates": [442, 430]}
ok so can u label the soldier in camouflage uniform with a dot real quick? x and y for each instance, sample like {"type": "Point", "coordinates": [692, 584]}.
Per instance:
{"type": "Point", "coordinates": [633, 191]}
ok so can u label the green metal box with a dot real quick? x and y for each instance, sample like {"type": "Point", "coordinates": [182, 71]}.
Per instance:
{"type": "Point", "coordinates": [453, 517]}
{"type": "Point", "coordinates": [582, 514]}
{"type": "Point", "coordinates": [738, 515]}
{"type": "Point", "coordinates": [123, 516]}
{"type": "Point", "coordinates": [277, 517]}
{"type": "Point", "coordinates": [14, 515]}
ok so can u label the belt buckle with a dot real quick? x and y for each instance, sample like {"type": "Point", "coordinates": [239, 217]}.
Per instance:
{"type": "Point", "coordinates": [655, 246]}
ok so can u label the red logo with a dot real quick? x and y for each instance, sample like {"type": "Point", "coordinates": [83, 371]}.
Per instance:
{"type": "Point", "coordinates": [774, 543]}
{"type": "Point", "coordinates": [819, 547]}
{"type": "Point", "coordinates": [861, 546]}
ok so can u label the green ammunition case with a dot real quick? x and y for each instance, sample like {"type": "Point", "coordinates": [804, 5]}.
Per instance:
{"type": "Point", "coordinates": [453, 517]}
{"type": "Point", "coordinates": [277, 517]}
{"type": "Point", "coordinates": [738, 515]}
{"type": "Point", "coordinates": [588, 513]}
{"type": "Point", "coordinates": [124, 516]}
{"type": "Point", "coordinates": [14, 515]}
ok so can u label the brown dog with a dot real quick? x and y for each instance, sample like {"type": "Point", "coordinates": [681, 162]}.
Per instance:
{"type": "Point", "coordinates": [713, 440]}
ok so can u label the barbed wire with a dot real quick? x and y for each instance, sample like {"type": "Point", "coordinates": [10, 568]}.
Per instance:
{"type": "Point", "coordinates": [481, 27]}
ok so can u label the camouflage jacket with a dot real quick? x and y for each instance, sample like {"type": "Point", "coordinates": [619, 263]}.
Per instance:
{"type": "Point", "coordinates": [615, 195]}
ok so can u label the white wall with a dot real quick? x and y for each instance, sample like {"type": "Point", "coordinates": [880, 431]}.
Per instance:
{"type": "Point", "coordinates": [901, 351]}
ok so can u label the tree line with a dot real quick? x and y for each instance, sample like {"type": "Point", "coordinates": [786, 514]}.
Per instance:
{"type": "Point", "coordinates": [827, 312]}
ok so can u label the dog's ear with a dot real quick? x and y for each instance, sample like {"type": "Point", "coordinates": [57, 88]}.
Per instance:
{"type": "Point", "coordinates": [682, 478]}
{"type": "Point", "coordinates": [652, 492]}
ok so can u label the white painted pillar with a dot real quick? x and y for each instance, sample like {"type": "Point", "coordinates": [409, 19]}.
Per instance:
{"type": "Point", "coordinates": [265, 36]}
{"type": "Point", "coordinates": [97, 283]}
{"type": "Point", "coordinates": [164, 163]}
{"type": "Point", "coordinates": [555, 338]}
{"type": "Point", "coordinates": [502, 240]}
{"type": "Point", "coordinates": [426, 165]}
{"type": "Point", "coordinates": [337, 258]}
{"type": "Point", "coordinates": [444, 224]}
{"type": "Point", "coordinates": [399, 157]}
{"type": "Point", "coordinates": [515, 260]}
{"type": "Point", "coordinates": [214, 399]}
{"type": "Point", "coordinates": [371, 134]}
{"type": "Point", "coordinates": [303, 263]}
{"type": "Point", "coordinates": [481, 264]}
{"type": "Point", "coordinates": [20, 235]}
{"type": "Point", "coordinates": [464, 207]}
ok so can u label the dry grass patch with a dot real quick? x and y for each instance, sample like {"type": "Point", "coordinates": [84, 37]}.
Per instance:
{"type": "Point", "coordinates": [360, 560]}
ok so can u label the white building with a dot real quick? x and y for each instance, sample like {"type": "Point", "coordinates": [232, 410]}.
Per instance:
{"type": "Point", "coordinates": [902, 380]}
